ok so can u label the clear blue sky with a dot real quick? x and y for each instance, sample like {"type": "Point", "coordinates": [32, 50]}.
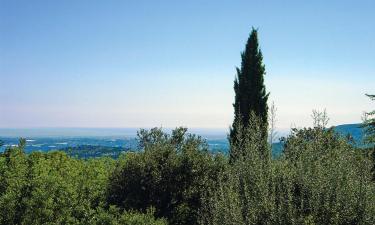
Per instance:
{"type": "Point", "coordinates": [151, 63]}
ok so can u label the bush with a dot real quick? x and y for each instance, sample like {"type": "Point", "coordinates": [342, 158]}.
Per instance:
{"type": "Point", "coordinates": [244, 194]}
{"type": "Point", "coordinates": [53, 188]}
{"type": "Point", "coordinates": [171, 174]}
{"type": "Point", "coordinates": [114, 216]}
{"type": "Point", "coordinates": [320, 179]}
{"type": "Point", "coordinates": [332, 180]}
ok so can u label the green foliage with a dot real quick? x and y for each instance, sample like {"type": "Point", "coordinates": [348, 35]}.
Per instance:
{"type": "Point", "coordinates": [171, 174]}
{"type": "Point", "coordinates": [13, 183]}
{"type": "Point", "coordinates": [52, 188]}
{"type": "Point", "coordinates": [244, 191]}
{"type": "Point", "coordinates": [114, 216]}
{"type": "Point", "coordinates": [332, 179]}
{"type": "Point", "coordinates": [249, 88]}
{"type": "Point", "coordinates": [252, 144]}
{"type": "Point", "coordinates": [321, 179]}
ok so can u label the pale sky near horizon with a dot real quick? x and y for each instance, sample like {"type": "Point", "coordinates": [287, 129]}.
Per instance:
{"type": "Point", "coordinates": [170, 63]}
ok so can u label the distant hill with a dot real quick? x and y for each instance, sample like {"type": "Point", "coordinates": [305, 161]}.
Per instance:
{"type": "Point", "coordinates": [354, 130]}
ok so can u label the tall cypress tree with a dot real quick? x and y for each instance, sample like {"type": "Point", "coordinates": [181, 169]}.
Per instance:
{"type": "Point", "coordinates": [250, 91]}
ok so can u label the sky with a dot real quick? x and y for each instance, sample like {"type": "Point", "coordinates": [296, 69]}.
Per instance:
{"type": "Point", "coordinates": [169, 63]}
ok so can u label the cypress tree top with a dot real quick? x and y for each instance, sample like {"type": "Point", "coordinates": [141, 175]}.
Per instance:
{"type": "Point", "coordinates": [249, 88]}
{"type": "Point", "coordinates": [249, 85]}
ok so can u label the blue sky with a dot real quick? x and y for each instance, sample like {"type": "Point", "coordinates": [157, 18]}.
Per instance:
{"type": "Point", "coordinates": [170, 63]}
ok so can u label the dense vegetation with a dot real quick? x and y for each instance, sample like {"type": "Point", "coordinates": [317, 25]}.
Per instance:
{"type": "Point", "coordinates": [170, 174]}
{"type": "Point", "coordinates": [320, 178]}
{"type": "Point", "coordinates": [53, 188]}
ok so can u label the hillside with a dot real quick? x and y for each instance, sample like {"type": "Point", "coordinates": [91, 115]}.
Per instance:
{"type": "Point", "coordinates": [354, 130]}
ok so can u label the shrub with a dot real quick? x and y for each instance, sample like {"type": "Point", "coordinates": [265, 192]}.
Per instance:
{"type": "Point", "coordinates": [320, 179]}
{"type": "Point", "coordinates": [53, 188]}
{"type": "Point", "coordinates": [171, 174]}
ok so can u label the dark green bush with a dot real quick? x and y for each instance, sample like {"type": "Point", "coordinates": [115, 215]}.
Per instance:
{"type": "Point", "coordinates": [171, 174]}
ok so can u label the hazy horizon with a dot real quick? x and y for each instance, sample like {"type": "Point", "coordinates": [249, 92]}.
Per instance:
{"type": "Point", "coordinates": [98, 132]}
{"type": "Point", "coordinates": [114, 131]}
